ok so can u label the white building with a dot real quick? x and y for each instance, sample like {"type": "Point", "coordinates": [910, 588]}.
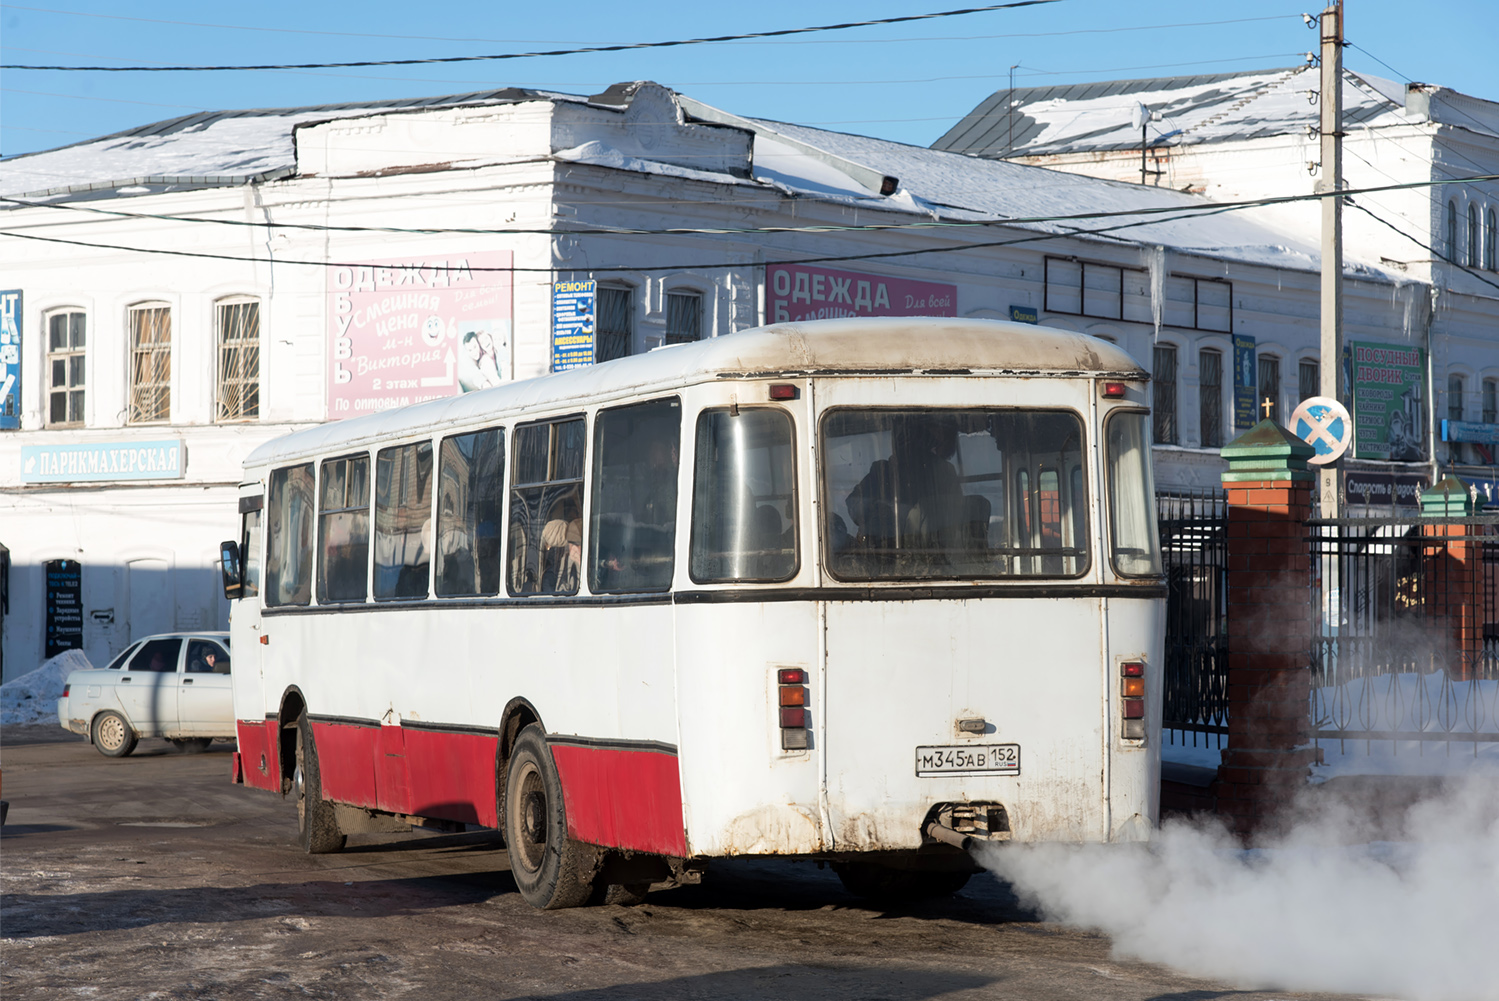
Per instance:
{"type": "Point", "coordinates": [192, 288]}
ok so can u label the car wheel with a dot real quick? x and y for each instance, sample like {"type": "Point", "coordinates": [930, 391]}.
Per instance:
{"type": "Point", "coordinates": [550, 870]}
{"type": "Point", "coordinates": [192, 745]}
{"type": "Point", "coordinates": [882, 883]}
{"type": "Point", "coordinates": [317, 827]}
{"type": "Point", "coordinates": [113, 735]}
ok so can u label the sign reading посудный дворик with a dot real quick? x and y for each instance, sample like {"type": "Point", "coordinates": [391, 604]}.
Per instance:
{"type": "Point", "coordinates": [105, 460]}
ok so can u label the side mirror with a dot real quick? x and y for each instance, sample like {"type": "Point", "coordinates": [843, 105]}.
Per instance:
{"type": "Point", "coordinates": [234, 581]}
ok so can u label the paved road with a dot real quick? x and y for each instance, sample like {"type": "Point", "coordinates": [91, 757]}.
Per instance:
{"type": "Point", "coordinates": [152, 876]}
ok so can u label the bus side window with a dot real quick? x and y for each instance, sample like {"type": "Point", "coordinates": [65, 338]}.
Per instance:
{"type": "Point", "coordinates": [403, 520]}
{"type": "Point", "coordinates": [249, 548]}
{"type": "Point", "coordinates": [470, 506]}
{"type": "Point", "coordinates": [289, 521]}
{"type": "Point", "coordinates": [632, 535]}
{"type": "Point", "coordinates": [546, 508]}
{"type": "Point", "coordinates": [744, 497]}
{"type": "Point", "coordinates": [344, 529]}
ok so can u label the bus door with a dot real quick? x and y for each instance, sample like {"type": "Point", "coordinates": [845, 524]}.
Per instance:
{"type": "Point", "coordinates": [964, 667]}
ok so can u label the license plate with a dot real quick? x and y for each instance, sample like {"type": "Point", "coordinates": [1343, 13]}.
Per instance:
{"type": "Point", "coordinates": [971, 759]}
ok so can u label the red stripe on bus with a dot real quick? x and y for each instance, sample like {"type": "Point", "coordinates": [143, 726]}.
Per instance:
{"type": "Point", "coordinates": [451, 775]}
{"type": "Point", "coordinates": [257, 744]}
{"type": "Point", "coordinates": [346, 762]}
{"type": "Point", "coordinates": [622, 799]}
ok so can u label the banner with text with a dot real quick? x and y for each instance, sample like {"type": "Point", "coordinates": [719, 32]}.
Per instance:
{"type": "Point", "coordinates": [406, 330]}
{"type": "Point", "coordinates": [1246, 380]}
{"type": "Point", "coordinates": [10, 359]}
{"type": "Point", "coordinates": [802, 292]}
{"type": "Point", "coordinates": [1388, 415]}
{"type": "Point", "coordinates": [573, 324]}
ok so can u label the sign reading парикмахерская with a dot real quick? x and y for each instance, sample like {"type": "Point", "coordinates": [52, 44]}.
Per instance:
{"type": "Point", "coordinates": [104, 460]}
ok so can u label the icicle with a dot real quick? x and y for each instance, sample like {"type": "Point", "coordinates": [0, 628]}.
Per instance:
{"type": "Point", "coordinates": [1157, 262]}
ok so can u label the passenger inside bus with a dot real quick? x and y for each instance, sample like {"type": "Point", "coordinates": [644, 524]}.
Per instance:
{"type": "Point", "coordinates": [912, 500]}
{"type": "Point", "coordinates": [562, 548]}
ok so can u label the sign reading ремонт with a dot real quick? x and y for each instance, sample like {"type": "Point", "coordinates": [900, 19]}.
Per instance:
{"type": "Point", "coordinates": [105, 460]}
{"type": "Point", "coordinates": [574, 323]}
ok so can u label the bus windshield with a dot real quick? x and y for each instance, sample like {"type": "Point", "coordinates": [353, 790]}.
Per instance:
{"type": "Point", "coordinates": [931, 494]}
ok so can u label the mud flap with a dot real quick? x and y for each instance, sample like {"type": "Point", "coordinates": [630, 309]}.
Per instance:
{"type": "Point", "coordinates": [236, 769]}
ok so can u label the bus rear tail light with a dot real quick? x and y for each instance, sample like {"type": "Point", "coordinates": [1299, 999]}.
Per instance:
{"type": "Point", "coordinates": [782, 391]}
{"type": "Point", "coordinates": [66, 689]}
{"type": "Point", "coordinates": [1113, 390]}
{"type": "Point", "coordinates": [791, 704]}
{"type": "Point", "coordinates": [1132, 700]}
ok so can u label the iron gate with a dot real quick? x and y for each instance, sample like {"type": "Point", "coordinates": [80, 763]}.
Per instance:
{"type": "Point", "coordinates": [1194, 549]}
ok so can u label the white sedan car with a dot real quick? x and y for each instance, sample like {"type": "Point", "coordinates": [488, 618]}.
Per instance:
{"type": "Point", "coordinates": [174, 685]}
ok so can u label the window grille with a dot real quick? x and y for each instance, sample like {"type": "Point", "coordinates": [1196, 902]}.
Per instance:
{"type": "Point", "coordinates": [1164, 382]}
{"type": "Point", "coordinates": [1490, 397]}
{"type": "Point", "coordinates": [150, 364]}
{"type": "Point", "coordinates": [1472, 255]}
{"type": "Point", "coordinates": [684, 317]}
{"type": "Point", "coordinates": [66, 351]}
{"type": "Point", "coordinates": [1449, 242]}
{"type": "Point", "coordinates": [616, 323]}
{"type": "Point", "coordinates": [1269, 387]}
{"type": "Point", "coordinates": [1454, 397]}
{"type": "Point", "coordinates": [1309, 377]}
{"type": "Point", "coordinates": [239, 361]}
{"type": "Point", "coordinates": [1210, 388]}
{"type": "Point", "coordinates": [1491, 243]}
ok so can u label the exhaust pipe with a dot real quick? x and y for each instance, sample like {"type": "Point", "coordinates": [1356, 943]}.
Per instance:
{"type": "Point", "coordinates": [948, 836]}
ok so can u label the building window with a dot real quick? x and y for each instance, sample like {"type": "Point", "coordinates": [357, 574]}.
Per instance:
{"type": "Point", "coordinates": [1106, 291]}
{"type": "Point", "coordinates": [1269, 387]}
{"type": "Point", "coordinates": [1449, 242]}
{"type": "Point", "coordinates": [239, 360]}
{"type": "Point", "coordinates": [1454, 397]}
{"type": "Point", "coordinates": [684, 317]}
{"type": "Point", "coordinates": [1308, 379]}
{"type": "Point", "coordinates": [1164, 380]}
{"type": "Point", "coordinates": [150, 363]}
{"type": "Point", "coordinates": [616, 323]}
{"type": "Point", "coordinates": [1490, 397]}
{"type": "Point", "coordinates": [1210, 397]}
{"type": "Point", "coordinates": [66, 338]}
{"type": "Point", "coordinates": [1491, 243]}
{"type": "Point", "coordinates": [1472, 255]}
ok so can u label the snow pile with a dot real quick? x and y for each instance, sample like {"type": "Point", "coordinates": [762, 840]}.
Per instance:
{"type": "Point", "coordinates": [32, 698]}
{"type": "Point", "coordinates": [1314, 911]}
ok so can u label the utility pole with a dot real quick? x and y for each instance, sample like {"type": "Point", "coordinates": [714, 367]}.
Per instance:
{"type": "Point", "coordinates": [1331, 21]}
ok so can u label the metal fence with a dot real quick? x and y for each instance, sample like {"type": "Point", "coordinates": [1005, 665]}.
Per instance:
{"type": "Point", "coordinates": [1405, 632]}
{"type": "Point", "coordinates": [1194, 546]}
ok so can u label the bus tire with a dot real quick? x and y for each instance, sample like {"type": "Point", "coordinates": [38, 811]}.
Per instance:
{"type": "Point", "coordinates": [550, 871]}
{"type": "Point", "coordinates": [883, 883]}
{"type": "Point", "coordinates": [317, 826]}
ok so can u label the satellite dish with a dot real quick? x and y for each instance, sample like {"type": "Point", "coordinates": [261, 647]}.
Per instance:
{"type": "Point", "coordinates": [1139, 115]}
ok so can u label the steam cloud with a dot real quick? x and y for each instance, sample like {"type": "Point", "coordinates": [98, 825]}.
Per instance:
{"type": "Point", "coordinates": [1325, 907]}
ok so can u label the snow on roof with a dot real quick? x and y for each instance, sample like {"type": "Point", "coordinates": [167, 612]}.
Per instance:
{"type": "Point", "coordinates": [940, 346]}
{"type": "Point", "coordinates": [1193, 109]}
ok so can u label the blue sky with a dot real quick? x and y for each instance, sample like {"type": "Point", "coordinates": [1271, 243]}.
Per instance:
{"type": "Point", "coordinates": [907, 82]}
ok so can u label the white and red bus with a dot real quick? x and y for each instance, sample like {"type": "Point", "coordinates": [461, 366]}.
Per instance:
{"type": "Point", "coordinates": [862, 591]}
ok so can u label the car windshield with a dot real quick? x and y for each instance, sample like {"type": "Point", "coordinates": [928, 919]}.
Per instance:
{"type": "Point", "coordinates": [924, 494]}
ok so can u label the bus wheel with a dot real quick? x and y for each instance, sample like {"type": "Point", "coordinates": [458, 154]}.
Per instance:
{"type": "Point", "coordinates": [882, 883]}
{"type": "Point", "coordinates": [317, 827]}
{"type": "Point", "coordinates": [550, 871]}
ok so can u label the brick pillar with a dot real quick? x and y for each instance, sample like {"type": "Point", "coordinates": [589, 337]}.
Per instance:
{"type": "Point", "coordinates": [1454, 576]}
{"type": "Point", "coordinates": [1269, 626]}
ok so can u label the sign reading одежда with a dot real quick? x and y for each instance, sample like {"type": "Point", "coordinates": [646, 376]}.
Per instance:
{"type": "Point", "coordinates": [406, 330]}
{"type": "Point", "coordinates": [801, 292]}
{"type": "Point", "coordinates": [102, 460]}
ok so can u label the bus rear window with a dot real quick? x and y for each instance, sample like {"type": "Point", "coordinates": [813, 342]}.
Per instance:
{"type": "Point", "coordinates": [744, 497]}
{"type": "Point", "coordinates": [289, 523]}
{"type": "Point", "coordinates": [932, 494]}
{"type": "Point", "coordinates": [1132, 526]}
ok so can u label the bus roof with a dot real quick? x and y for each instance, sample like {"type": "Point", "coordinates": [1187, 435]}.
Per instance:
{"type": "Point", "coordinates": [931, 346]}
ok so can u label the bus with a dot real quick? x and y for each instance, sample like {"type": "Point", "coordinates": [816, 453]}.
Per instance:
{"type": "Point", "coordinates": [869, 592]}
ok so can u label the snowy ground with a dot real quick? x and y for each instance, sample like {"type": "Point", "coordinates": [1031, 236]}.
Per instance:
{"type": "Point", "coordinates": [32, 698]}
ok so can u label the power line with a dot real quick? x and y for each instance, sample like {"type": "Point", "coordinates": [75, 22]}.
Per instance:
{"type": "Point", "coordinates": [1435, 255]}
{"type": "Point", "coordinates": [549, 41]}
{"type": "Point", "coordinates": [1183, 211]}
{"type": "Point", "coordinates": [623, 47]}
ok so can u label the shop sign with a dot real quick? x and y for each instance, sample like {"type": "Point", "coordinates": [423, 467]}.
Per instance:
{"type": "Point", "coordinates": [407, 330]}
{"type": "Point", "coordinates": [1246, 380]}
{"type": "Point", "coordinates": [574, 307]}
{"type": "Point", "coordinates": [1388, 419]}
{"type": "Point", "coordinates": [64, 607]}
{"type": "Point", "coordinates": [800, 292]}
{"type": "Point", "coordinates": [103, 460]}
{"type": "Point", "coordinates": [1383, 489]}
{"type": "Point", "coordinates": [10, 359]}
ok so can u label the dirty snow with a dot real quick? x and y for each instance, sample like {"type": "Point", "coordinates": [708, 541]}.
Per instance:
{"type": "Point", "coordinates": [32, 698]}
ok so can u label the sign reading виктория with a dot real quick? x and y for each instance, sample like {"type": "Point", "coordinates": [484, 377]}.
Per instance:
{"type": "Point", "coordinates": [104, 460]}
{"type": "Point", "coordinates": [1388, 420]}
{"type": "Point", "coordinates": [800, 292]}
